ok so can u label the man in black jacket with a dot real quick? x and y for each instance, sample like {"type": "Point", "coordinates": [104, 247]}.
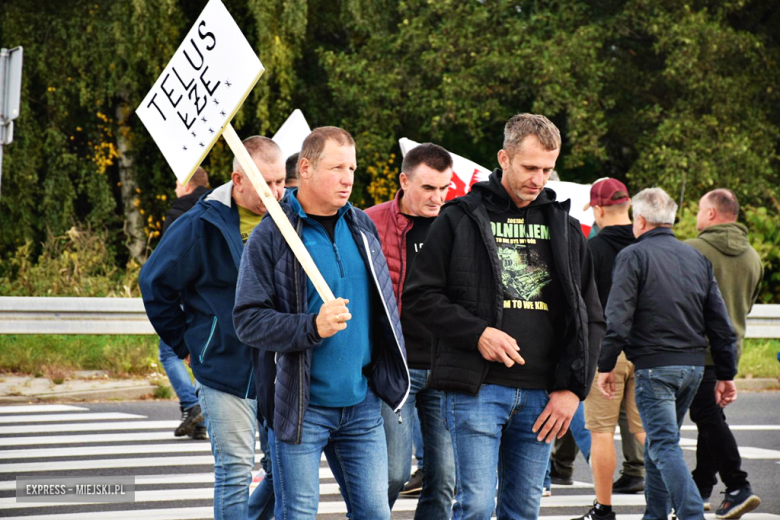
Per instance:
{"type": "Point", "coordinates": [187, 195]}
{"type": "Point", "coordinates": [505, 286]}
{"type": "Point", "coordinates": [663, 306]}
{"type": "Point", "coordinates": [192, 424]}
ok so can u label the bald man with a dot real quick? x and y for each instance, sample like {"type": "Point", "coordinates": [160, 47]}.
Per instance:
{"type": "Point", "coordinates": [189, 287]}
{"type": "Point", "coordinates": [738, 271]}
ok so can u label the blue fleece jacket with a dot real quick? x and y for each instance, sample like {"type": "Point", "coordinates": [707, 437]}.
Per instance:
{"type": "Point", "coordinates": [272, 315]}
{"type": "Point", "coordinates": [189, 286]}
{"type": "Point", "coordinates": [337, 364]}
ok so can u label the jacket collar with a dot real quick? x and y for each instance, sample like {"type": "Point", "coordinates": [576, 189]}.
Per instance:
{"type": "Point", "coordinates": [657, 232]}
{"type": "Point", "coordinates": [292, 199]}
{"type": "Point", "coordinates": [223, 195]}
{"type": "Point", "coordinates": [223, 214]}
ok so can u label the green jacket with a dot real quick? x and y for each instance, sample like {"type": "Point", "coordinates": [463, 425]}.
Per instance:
{"type": "Point", "coordinates": [738, 271]}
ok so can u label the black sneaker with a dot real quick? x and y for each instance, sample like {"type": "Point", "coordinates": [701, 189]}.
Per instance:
{"type": "Point", "coordinates": [737, 503]}
{"type": "Point", "coordinates": [200, 433]}
{"type": "Point", "coordinates": [558, 479]}
{"type": "Point", "coordinates": [189, 419]}
{"type": "Point", "coordinates": [413, 487]}
{"type": "Point", "coordinates": [628, 485]}
{"type": "Point", "coordinates": [593, 514]}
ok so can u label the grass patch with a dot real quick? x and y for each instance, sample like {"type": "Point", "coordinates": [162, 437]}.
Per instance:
{"type": "Point", "coordinates": [163, 392]}
{"type": "Point", "coordinates": [55, 356]}
{"type": "Point", "coordinates": [759, 358]}
{"type": "Point", "coordinates": [52, 355]}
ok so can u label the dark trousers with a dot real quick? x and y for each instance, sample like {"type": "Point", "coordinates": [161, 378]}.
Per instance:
{"type": "Point", "coordinates": [564, 452]}
{"type": "Point", "coordinates": [716, 449]}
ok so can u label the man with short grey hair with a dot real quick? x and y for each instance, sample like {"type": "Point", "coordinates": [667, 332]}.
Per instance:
{"type": "Point", "coordinates": [663, 307]}
{"type": "Point", "coordinates": [505, 287]}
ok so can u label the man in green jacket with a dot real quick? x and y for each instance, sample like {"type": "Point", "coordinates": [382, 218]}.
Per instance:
{"type": "Point", "coordinates": [738, 271]}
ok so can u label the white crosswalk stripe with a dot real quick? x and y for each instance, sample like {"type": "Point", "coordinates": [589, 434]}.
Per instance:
{"type": "Point", "coordinates": [86, 427]}
{"type": "Point", "coordinates": [41, 408]}
{"type": "Point", "coordinates": [13, 419]}
{"type": "Point", "coordinates": [185, 491]}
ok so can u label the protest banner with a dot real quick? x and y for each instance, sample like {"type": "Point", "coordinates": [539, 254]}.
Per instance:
{"type": "Point", "coordinates": [194, 99]}
{"type": "Point", "coordinates": [466, 173]}
{"type": "Point", "coordinates": [291, 134]}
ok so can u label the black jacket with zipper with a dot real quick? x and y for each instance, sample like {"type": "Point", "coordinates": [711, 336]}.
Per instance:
{"type": "Point", "coordinates": [455, 291]}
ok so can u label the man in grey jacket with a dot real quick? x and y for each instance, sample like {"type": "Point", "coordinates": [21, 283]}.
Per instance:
{"type": "Point", "coordinates": [663, 307]}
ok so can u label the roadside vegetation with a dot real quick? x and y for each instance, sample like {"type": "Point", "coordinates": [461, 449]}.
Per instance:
{"type": "Point", "coordinates": [56, 357]}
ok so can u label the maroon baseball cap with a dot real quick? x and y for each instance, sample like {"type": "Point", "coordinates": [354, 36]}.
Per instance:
{"type": "Point", "coordinates": [603, 192]}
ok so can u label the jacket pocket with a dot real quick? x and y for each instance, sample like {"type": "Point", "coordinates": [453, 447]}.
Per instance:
{"type": "Point", "coordinates": [208, 341]}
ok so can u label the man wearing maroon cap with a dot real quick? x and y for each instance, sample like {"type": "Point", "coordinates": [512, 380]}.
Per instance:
{"type": "Point", "coordinates": [610, 202]}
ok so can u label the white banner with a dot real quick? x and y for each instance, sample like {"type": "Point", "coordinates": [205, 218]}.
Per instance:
{"type": "Point", "coordinates": [291, 134]}
{"type": "Point", "coordinates": [200, 90]}
{"type": "Point", "coordinates": [466, 173]}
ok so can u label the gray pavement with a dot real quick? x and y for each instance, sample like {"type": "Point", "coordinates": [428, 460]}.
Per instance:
{"type": "Point", "coordinates": [148, 428]}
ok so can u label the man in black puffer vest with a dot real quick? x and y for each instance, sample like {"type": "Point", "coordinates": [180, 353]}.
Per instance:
{"type": "Point", "coordinates": [505, 287]}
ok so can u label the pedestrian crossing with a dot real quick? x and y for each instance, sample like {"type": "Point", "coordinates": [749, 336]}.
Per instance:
{"type": "Point", "coordinates": [174, 476]}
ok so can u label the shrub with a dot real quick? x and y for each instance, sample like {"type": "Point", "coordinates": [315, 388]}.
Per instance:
{"type": "Point", "coordinates": [77, 263]}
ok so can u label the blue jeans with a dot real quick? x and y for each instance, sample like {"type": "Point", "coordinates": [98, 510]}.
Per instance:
{"type": "Point", "coordinates": [417, 440]}
{"type": "Point", "coordinates": [492, 439]}
{"type": "Point", "coordinates": [178, 376]}
{"type": "Point", "coordinates": [581, 437]}
{"type": "Point", "coordinates": [439, 473]}
{"type": "Point", "coordinates": [353, 440]}
{"type": "Point", "coordinates": [231, 423]}
{"type": "Point", "coordinates": [663, 396]}
{"type": "Point", "coordinates": [261, 502]}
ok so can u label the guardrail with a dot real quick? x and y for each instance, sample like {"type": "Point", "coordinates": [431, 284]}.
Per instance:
{"type": "Point", "coordinates": [57, 315]}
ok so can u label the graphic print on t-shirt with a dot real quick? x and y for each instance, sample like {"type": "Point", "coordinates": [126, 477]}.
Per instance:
{"type": "Point", "coordinates": [525, 269]}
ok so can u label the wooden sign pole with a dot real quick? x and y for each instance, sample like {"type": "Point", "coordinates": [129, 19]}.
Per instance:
{"type": "Point", "coordinates": [273, 207]}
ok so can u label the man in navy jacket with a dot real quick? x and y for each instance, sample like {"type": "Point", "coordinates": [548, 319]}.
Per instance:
{"type": "Point", "coordinates": [322, 368]}
{"type": "Point", "coordinates": [663, 307]}
{"type": "Point", "coordinates": [188, 287]}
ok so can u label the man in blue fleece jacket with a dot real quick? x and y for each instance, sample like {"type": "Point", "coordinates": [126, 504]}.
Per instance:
{"type": "Point", "coordinates": [188, 287]}
{"type": "Point", "coordinates": [322, 368]}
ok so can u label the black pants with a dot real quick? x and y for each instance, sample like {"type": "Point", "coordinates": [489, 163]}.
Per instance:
{"type": "Point", "coordinates": [716, 451]}
{"type": "Point", "coordinates": [564, 452]}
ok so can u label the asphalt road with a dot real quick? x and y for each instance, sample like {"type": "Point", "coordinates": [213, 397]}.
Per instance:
{"type": "Point", "coordinates": [756, 418]}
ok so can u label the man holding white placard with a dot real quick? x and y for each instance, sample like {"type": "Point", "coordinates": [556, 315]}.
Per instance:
{"type": "Point", "coordinates": [322, 368]}
{"type": "Point", "coordinates": [188, 287]}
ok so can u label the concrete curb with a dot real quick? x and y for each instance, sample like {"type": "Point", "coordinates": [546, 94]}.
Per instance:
{"type": "Point", "coordinates": [99, 394]}
{"type": "Point", "coordinates": [757, 385]}
{"type": "Point", "coordinates": [27, 389]}
{"type": "Point", "coordinates": [126, 390]}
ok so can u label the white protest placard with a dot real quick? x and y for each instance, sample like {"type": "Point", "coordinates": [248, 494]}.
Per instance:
{"type": "Point", "coordinates": [193, 101]}
{"type": "Point", "coordinates": [466, 173]}
{"type": "Point", "coordinates": [200, 90]}
{"type": "Point", "coordinates": [292, 133]}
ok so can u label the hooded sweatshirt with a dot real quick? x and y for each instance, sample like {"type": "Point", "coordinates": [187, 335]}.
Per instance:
{"type": "Point", "coordinates": [604, 248]}
{"type": "Point", "coordinates": [738, 271]}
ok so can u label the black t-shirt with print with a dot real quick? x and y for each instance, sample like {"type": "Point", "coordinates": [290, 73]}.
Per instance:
{"type": "Point", "coordinates": [533, 297]}
{"type": "Point", "coordinates": [415, 239]}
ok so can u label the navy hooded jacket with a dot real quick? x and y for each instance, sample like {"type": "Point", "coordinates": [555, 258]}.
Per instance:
{"type": "Point", "coordinates": [189, 286]}
{"type": "Point", "coordinates": [271, 315]}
